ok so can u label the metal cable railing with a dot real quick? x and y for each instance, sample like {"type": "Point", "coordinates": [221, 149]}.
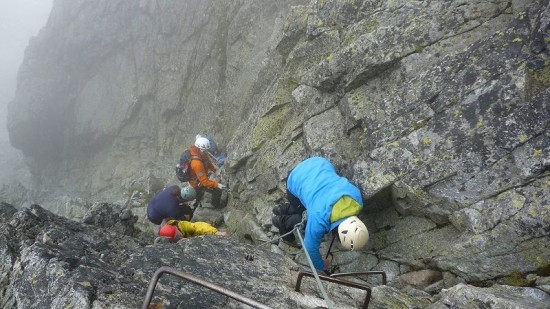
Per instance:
{"type": "Point", "coordinates": [209, 285]}
{"type": "Point", "coordinates": [332, 278]}
{"type": "Point", "coordinates": [367, 273]}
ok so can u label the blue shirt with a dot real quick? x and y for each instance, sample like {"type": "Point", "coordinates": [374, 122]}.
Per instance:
{"type": "Point", "coordinates": [315, 182]}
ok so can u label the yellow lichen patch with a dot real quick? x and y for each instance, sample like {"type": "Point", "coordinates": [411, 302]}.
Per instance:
{"type": "Point", "coordinates": [537, 81]}
{"type": "Point", "coordinates": [319, 23]}
{"type": "Point", "coordinates": [458, 113]}
{"type": "Point", "coordinates": [517, 203]}
{"type": "Point", "coordinates": [360, 102]}
{"type": "Point", "coordinates": [426, 141]}
{"type": "Point", "coordinates": [394, 144]}
{"type": "Point", "coordinates": [534, 258]}
{"type": "Point", "coordinates": [541, 76]}
{"type": "Point", "coordinates": [420, 124]}
{"type": "Point", "coordinates": [516, 279]}
{"type": "Point", "coordinates": [85, 283]}
{"type": "Point", "coordinates": [517, 40]}
{"type": "Point", "coordinates": [268, 127]}
{"type": "Point", "coordinates": [353, 48]}
{"type": "Point", "coordinates": [417, 160]}
{"type": "Point", "coordinates": [381, 241]}
{"type": "Point", "coordinates": [537, 152]}
{"type": "Point", "coordinates": [479, 124]}
{"type": "Point", "coordinates": [533, 211]}
{"type": "Point", "coordinates": [330, 57]}
{"type": "Point", "coordinates": [523, 138]}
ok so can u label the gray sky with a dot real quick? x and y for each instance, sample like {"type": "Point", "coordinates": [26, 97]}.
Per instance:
{"type": "Point", "coordinates": [19, 20]}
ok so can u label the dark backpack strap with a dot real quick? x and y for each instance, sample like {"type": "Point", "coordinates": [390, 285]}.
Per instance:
{"type": "Point", "coordinates": [195, 158]}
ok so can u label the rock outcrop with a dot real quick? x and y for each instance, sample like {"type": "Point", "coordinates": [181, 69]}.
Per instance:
{"type": "Point", "coordinates": [49, 261]}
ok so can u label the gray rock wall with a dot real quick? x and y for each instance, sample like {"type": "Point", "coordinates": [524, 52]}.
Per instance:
{"type": "Point", "coordinates": [439, 112]}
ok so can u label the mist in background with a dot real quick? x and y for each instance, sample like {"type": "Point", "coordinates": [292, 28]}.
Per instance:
{"type": "Point", "coordinates": [19, 21]}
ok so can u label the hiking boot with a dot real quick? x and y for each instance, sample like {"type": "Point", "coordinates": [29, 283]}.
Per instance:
{"type": "Point", "coordinates": [276, 221]}
{"type": "Point", "coordinates": [282, 209]}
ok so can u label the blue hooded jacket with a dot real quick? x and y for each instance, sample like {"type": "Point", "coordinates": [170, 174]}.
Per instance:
{"type": "Point", "coordinates": [315, 182]}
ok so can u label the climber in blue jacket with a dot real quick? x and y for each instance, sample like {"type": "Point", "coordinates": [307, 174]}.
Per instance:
{"type": "Point", "coordinates": [331, 201]}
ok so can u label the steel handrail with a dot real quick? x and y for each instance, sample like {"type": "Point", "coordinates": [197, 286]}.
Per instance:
{"type": "Point", "coordinates": [337, 281]}
{"type": "Point", "coordinates": [198, 281]}
{"type": "Point", "coordinates": [372, 272]}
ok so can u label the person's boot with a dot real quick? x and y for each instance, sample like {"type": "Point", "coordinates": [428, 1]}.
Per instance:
{"type": "Point", "coordinates": [276, 221]}
{"type": "Point", "coordinates": [282, 209]}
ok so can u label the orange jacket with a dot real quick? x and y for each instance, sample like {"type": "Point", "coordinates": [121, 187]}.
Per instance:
{"type": "Point", "coordinates": [200, 169]}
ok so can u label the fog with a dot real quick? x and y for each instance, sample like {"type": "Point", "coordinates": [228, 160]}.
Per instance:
{"type": "Point", "coordinates": [19, 21]}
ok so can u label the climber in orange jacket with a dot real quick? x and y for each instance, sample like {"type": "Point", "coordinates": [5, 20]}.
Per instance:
{"type": "Point", "coordinates": [199, 172]}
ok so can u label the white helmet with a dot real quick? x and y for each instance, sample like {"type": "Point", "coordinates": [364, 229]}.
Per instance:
{"type": "Point", "coordinates": [188, 193]}
{"type": "Point", "coordinates": [353, 233]}
{"type": "Point", "coordinates": [202, 143]}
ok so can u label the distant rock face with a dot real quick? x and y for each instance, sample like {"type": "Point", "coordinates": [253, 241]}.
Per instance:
{"type": "Point", "coordinates": [437, 110]}
{"type": "Point", "coordinates": [113, 91]}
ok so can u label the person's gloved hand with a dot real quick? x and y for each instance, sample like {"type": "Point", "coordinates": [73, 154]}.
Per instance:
{"type": "Point", "coordinates": [221, 187]}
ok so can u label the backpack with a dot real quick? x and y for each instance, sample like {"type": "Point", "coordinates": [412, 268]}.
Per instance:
{"type": "Point", "coordinates": [183, 168]}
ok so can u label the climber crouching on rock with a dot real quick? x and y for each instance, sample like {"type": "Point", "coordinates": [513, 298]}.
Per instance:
{"type": "Point", "coordinates": [331, 202]}
{"type": "Point", "coordinates": [176, 230]}
{"type": "Point", "coordinates": [171, 203]}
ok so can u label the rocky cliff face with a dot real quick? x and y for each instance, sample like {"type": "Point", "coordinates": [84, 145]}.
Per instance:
{"type": "Point", "coordinates": [437, 110]}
